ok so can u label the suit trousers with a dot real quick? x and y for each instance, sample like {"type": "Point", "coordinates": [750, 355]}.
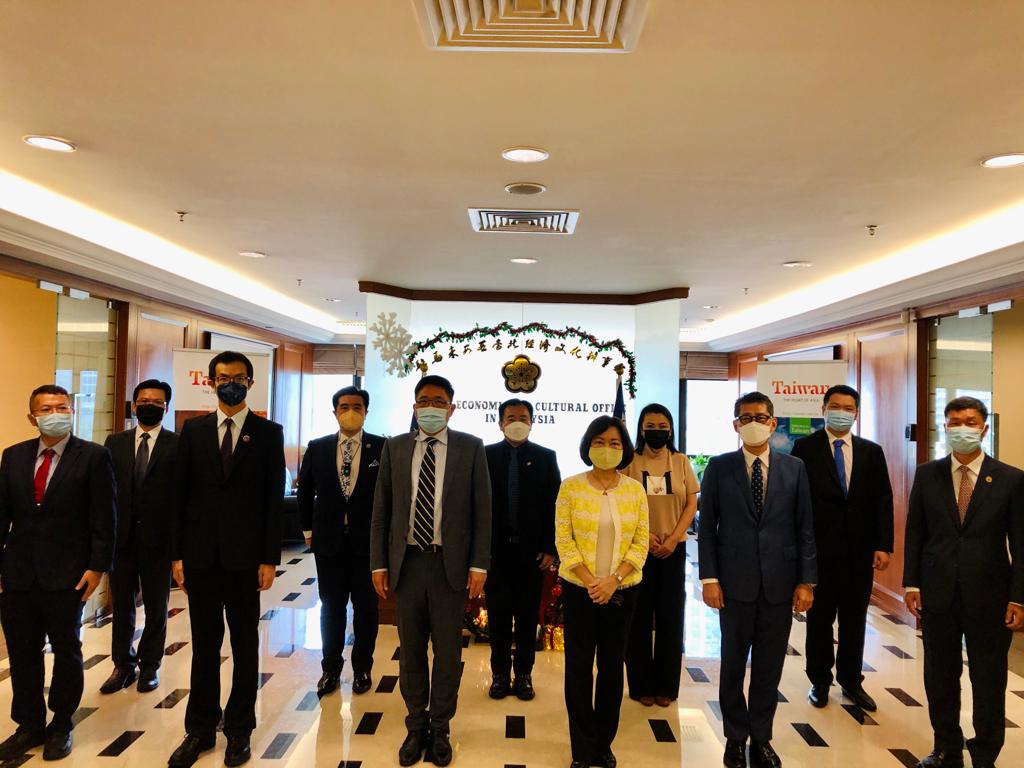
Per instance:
{"type": "Point", "coordinates": [429, 611]}
{"type": "Point", "coordinates": [29, 618]}
{"type": "Point", "coordinates": [988, 640]}
{"type": "Point", "coordinates": [594, 631]}
{"type": "Point", "coordinates": [843, 594]}
{"type": "Point", "coordinates": [340, 577]}
{"type": "Point", "coordinates": [138, 566]}
{"type": "Point", "coordinates": [758, 630]}
{"type": "Point", "coordinates": [653, 669]}
{"type": "Point", "coordinates": [214, 593]}
{"type": "Point", "coordinates": [513, 599]}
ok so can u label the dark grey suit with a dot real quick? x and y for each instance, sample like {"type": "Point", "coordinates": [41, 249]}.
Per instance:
{"type": "Point", "coordinates": [430, 586]}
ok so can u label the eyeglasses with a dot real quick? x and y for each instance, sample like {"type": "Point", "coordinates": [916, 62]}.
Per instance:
{"type": "Point", "coordinates": [46, 409]}
{"type": "Point", "coordinates": [437, 402]}
{"type": "Point", "coordinates": [761, 418]}
{"type": "Point", "coordinates": [240, 379]}
{"type": "Point", "coordinates": [157, 403]}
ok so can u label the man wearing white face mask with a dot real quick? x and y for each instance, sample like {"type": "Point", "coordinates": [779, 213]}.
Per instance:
{"type": "Point", "coordinates": [964, 579]}
{"type": "Point", "coordinates": [524, 485]}
{"type": "Point", "coordinates": [430, 543]}
{"type": "Point", "coordinates": [336, 486]}
{"type": "Point", "coordinates": [758, 565]}
{"type": "Point", "coordinates": [57, 530]}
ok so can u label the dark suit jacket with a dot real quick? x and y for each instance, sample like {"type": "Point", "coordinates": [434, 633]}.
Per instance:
{"type": "Point", "coordinates": [847, 530]}
{"type": "Point", "coordinates": [71, 532]}
{"type": "Point", "coordinates": [745, 552]}
{"type": "Point", "coordinates": [940, 552]}
{"type": "Point", "coordinates": [322, 507]}
{"type": "Point", "coordinates": [539, 480]}
{"type": "Point", "coordinates": [466, 508]}
{"type": "Point", "coordinates": [231, 520]}
{"type": "Point", "coordinates": [154, 503]}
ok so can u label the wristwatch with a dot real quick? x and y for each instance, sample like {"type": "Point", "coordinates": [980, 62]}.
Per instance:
{"type": "Point", "coordinates": [618, 577]}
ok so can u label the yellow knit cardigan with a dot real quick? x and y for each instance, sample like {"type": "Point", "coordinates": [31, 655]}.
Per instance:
{"type": "Point", "coordinates": [576, 522]}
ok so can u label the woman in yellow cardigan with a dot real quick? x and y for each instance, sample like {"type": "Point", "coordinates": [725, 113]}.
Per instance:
{"type": "Point", "coordinates": [601, 533]}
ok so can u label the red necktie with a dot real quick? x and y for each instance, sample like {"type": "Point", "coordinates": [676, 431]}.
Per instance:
{"type": "Point", "coordinates": [42, 474]}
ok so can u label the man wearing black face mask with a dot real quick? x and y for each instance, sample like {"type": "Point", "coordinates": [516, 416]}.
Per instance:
{"type": "Point", "coordinates": [225, 547]}
{"type": "Point", "coordinates": [144, 465]}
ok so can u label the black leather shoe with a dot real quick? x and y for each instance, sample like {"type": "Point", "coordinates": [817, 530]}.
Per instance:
{"type": "Point", "coordinates": [411, 751]}
{"type": "Point", "coordinates": [57, 745]}
{"type": "Point", "coordinates": [361, 683]}
{"type": "Point", "coordinates": [982, 763]}
{"type": "Point", "coordinates": [119, 679]}
{"type": "Point", "coordinates": [523, 687]}
{"type": "Point", "coordinates": [763, 756]}
{"type": "Point", "coordinates": [860, 697]}
{"type": "Point", "coordinates": [499, 687]}
{"type": "Point", "coordinates": [818, 696]}
{"type": "Point", "coordinates": [941, 759]}
{"type": "Point", "coordinates": [328, 684]}
{"type": "Point", "coordinates": [238, 751]}
{"type": "Point", "coordinates": [606, 760]}
{"type": "Point", "coordinates": [440, 750]}
{"type": "Point", "coordinates": [579, 764]}
{"type": "Point", "coordinates": [20, 742]}
{"type": "Point", "coordinates": [190, 749]}
{"type": "Point", "coordinates": [735, 754]}
{"type": "Point", "coordinates": [149, 679]}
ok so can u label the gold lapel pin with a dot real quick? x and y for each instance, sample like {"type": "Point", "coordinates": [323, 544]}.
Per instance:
{"type": "Point", "coordinates": [988, 478]}
{"type": "Point", "coordinates": [245, 438]}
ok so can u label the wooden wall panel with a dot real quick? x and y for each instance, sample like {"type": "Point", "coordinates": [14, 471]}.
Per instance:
{"type": "Point", "coordinates": [292, 361]}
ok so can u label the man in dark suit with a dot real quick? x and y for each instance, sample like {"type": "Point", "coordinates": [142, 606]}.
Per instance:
{"type": "Point", "coordinates": [757, 565]}
{"type": "Point", "coordinates": [964, 578]}
{"type": "Point", "coordinates": [225, 548]}
{"type": "Point", "coordinates": [144, 465]}
{"type": "Point", "coordinates": [336, 485]}
{"type": "Point", "coordinates": [430, 542]}
{"type": "Point", "coordinates": [57, 528]}
{"type": "Point", "coordinates": [852, 500]}
{"type": "Point", "coordinates": [524, 486]}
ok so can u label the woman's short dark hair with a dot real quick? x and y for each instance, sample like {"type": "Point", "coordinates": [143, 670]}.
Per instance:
{"type": "Point", "coordinates": [661, 410]}
{"type": "Point", "coordinates": [598, 426]}
{"type": "Point", "coordinates": [226, 358]}
{"type": "Point", "coordinates": [348, 391]}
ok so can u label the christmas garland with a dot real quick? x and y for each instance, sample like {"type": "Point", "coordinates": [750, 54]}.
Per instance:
{"type": "Point", "coordinates": [481, 335]}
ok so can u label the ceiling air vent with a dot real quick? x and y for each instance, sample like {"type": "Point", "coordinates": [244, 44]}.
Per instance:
{"type": "Point", "coordinates": [600, 26]}
{"type": "Point", "coordinates": [528, 222]}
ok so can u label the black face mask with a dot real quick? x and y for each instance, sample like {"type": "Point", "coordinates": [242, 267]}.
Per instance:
{"type": "Point", "coordinates": [232, 393]}
{"type": "Point", "coordinates": [149, 415]}
{"type": "Point", "coordinates": [656, 438]}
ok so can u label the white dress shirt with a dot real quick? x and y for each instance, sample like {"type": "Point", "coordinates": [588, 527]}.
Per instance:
{"type": "Point", "coordinates": [847, 451]}
{"type": "Point", "coordinates": [236, 430]}
{"type": "Point", "coordinates": [153, 433]}
{"type": "Point", "coordinates": [58, 451]}
{"type": "Point", "coordinates": [440, 455]}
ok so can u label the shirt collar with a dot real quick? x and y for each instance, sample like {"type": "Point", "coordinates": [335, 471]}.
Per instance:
{"type": "Point", "coordinates": [832, 437]}
{"type": "Point", "coordinates": [154, 433]}
{"type": "Point", "coordinates": [239, 418]}
{"type": "Point", "coordinates": [342, 439]}
{"type": "Point", "coordinates": [974, 466]}
{"type": "Point", "coordinates": [749, 457]}
{"type": "Point", "coordinates": [58, 449]}
{"type": "Point", "coordinates": [441, 437]}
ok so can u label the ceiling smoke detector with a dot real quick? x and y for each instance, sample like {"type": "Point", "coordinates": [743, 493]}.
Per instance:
{"type": "Point", "coordinates": [525, 188]}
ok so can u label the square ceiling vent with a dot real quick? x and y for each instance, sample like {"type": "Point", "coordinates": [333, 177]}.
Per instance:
{"type": "Point", "coordinates": [597, 26]}
{"type": "Point", "coordinates": [524, 222]}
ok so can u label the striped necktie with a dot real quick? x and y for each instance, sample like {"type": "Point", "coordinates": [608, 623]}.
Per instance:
{"type": "Point", "coordinates": [423, 522]}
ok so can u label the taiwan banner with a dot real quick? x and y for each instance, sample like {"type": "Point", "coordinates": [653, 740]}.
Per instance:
{"type": "Point", "coordinates": [193, 393]}
{"type": "Point", "coordinates": [797, 390]}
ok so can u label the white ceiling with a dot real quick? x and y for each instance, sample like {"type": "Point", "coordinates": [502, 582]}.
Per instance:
{"type": "Point", "coordinates": [738, 135]}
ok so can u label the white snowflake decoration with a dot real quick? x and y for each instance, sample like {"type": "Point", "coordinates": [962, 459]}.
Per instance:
{"type": "Point", "coordinates": [392, 340]}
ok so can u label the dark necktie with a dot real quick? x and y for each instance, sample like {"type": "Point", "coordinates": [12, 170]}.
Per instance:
{"type": "Point", "coordinates": [346, 469]}
{"type": "Point", "coordinates": [513, 491]}
{"type": "Point", "coordinates": [226, 446]}
{"type": "Point", "coordinates": [841, 466]}
{"type": "Point", "coordinates": [423, 521]}
{"type": "Point", "coordinates": [43, 473]}
{"type": "Point", "coordinates": [757, 486]}
{"type": "Point", "coordinates": [963, 496]}
{"type": "Point", "coordinates": [142, 460]}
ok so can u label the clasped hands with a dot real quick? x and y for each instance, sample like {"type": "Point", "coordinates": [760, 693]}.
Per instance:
{"type": "Point", "coordinates": [803, 596]}
{"type": "Point", "coordinates": [663, 547]}
{"type": "Point", "coordinates": [602, 590]}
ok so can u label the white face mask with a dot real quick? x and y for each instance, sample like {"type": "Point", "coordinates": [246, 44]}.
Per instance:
{"type": "Point", "coordinates": [754, 433]}
{"type": "Point", "coordinates": [516, 431]}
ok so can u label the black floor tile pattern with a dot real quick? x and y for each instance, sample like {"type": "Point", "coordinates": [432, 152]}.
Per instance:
{"type": "Point", "coordinates": [698, 675]}
{"type": "Point", "coordinates": [899, 653]}
{"type": "Point", "coordinates": [515, 727]}
{"type": "Point", "coordinates": [905, 756]}
{"type": "Point", "coordinates": [294, 561]}
{"type": "Point", "coordinates": [1019, 693]}
{"type": "Point", "coordinates": [174, 612]}
{"type": "Point", "coordinates": [16, 762]}
{"type": "Point", "coordinates": [269, 614]}
{"type": "Point", "coordinates": [782, 698]}
{"type": "Point", "coordinates": [662, 731]}
{"type": "Point", "coordinates": [466, 640]}
{"type": "Point", "coordinates": [791, 651]}
{"type": "Point", "coordinates": [5, 673]}
{"type": "Point", "coordinates": [278, 747]}
{"type": "Point", "coordinates": [81, 713]}
{"type": "Point", "coordinates": [309, 702]}
{"type": "Point", "coordinates": [716, 708]}
{"type": "Point", "coordinates": [280, 572]}
{"type": "Point", "coordinates": [811, 736]}
{"type": "Point", "coordinates": [173, 698]}
{"type": "Point", "coordinates": [120, 744]}
{"type": "Point", "coordinates": [173, 648]}
{"type": "Point", "coordinates": [369, 723]}
{"type": "Point", "coordinates": [394, 656]}
{"type": "Point", "coordinates": [264, 679]}
{"type": "Point", "coordinates": [1010, 723]}
{"type": "Point", "coordinates": [350, 764]}
{"type": "Point", "coordinates": [904, 697]}
{"type": "Point", "coordinates": [286, 652]}
{"type": "Point", "coordinates": [387, 684]}
{"type": "Point", "coordinates": [894, 619]}
{"type": "Point", "coordinates": [308, 582]}
{"type": "Point", "coordinates": [859, 714]}
{"type": "Point", "coordinates": [291, 596]}
{"type": "Point", "coordinates": [865, 667]}
{"type": "Point", "coordinates": [92, 661]}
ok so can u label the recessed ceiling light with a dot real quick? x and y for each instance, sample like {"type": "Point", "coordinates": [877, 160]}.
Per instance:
{"type": "Point", "coordinates": [797, 264]}
{"type": "Point", "coordinates": [523, 260]}
{"type": "Point", "coordinates": [1004, 161]}
{"type": "Point", "coordinates": [709, 319]}
{"type": "Point", "coordinates": [525, 188]}
{"type": "Point", "coordinates": [334, 301]}
{"type": "Point", "coordinates": [253, 254]}
{"type": "Point", "coordinates": [525, 154]}
{"type": "Point", "coordinates": [710, 306]}
{"type": "Point", "coordinates": [52, 143]}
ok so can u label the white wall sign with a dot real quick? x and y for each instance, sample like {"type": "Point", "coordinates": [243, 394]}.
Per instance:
{"type": "Point", "coordinates": [193, 393]}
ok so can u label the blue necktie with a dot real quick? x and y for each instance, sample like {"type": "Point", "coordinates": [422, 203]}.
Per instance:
{"type": "Point", "coordinates": [757, 486]}
{"type": "Point", "coordinates": [841, 466]}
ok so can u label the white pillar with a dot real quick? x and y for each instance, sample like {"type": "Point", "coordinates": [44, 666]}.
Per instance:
{"type": "Point", "coordinates": [657, 357]}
